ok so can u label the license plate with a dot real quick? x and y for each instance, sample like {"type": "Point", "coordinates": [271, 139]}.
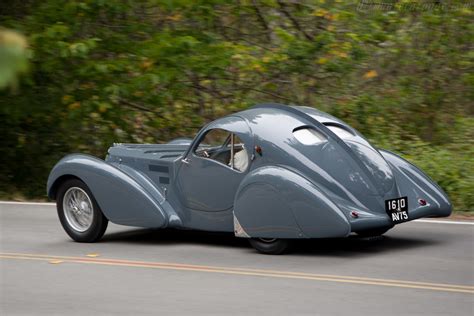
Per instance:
{"type": "Point", "coordinates": [397, 209]}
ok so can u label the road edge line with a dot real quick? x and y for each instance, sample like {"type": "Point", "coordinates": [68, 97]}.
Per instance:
{"type": "Point", "coordinates": [433, 221]}
{"type": "Point", "coordinates": [27, 203]}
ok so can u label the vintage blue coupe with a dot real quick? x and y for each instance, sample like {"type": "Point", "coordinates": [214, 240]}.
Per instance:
{"type": "Point", "coordinates": [272, 174]}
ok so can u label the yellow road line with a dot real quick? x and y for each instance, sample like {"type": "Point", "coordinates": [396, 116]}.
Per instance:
{"type": "Point", "coordinates": [248, 272]}
{"type": "Point", "coordinates": [172, 265]}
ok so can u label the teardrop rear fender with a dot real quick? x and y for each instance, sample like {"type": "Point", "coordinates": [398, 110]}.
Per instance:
{"type": "Point", "coordinates": [276, 202]}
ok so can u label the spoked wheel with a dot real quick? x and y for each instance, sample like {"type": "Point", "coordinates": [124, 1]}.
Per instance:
{"type": "Point", "coordinates": [270, 246]}
{"type": "Point", "coordinates": [79, 212]}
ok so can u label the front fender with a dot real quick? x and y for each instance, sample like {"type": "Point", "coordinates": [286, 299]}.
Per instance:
{"type": "Point", "coordinates": [122, 199]}
{"type": "Point", "coordinates": [275, 202]}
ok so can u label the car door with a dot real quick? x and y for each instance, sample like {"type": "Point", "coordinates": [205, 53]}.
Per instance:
{"type": "Point", "coordinates": [213, 168]}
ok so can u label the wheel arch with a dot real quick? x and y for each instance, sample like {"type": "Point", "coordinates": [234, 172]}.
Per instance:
{"type": "Point", "coordinates": [53, 189]}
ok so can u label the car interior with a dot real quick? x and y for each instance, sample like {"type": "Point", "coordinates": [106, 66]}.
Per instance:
{"type": "Point", "coordinates": [224, 147]}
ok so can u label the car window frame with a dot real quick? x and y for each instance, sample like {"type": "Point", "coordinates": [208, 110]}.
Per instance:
{"type": "Point", "coordinates": [201, 139]}
{"type": "Point", "coordinates": [226, 143]}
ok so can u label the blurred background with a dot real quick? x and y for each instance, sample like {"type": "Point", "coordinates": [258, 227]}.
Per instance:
{"type": "Point", "coordinates": [76, 76]}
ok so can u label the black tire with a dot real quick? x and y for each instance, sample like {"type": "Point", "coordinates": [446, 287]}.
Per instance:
{"type": "Point", "coordinates": [270, 246]}
{"type": "Point", "coordinates": [99, 222]}
{"type": "Point", "coordinates": [373, 232]}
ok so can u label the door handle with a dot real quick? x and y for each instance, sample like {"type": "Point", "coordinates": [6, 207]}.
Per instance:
{"type": "Point", "coordinates": [185, 161]}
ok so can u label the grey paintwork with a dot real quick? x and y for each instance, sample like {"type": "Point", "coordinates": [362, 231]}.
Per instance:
{"type": "Point", "coordinates": [290, 190]}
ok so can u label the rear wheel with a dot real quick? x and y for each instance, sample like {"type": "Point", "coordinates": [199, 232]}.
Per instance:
{"type": "Point", "coordinates": [270, 246]}
{"type": "Point", "coordinates": [79, 213]}
{"type": "Point", "coordinates": [373, 232]}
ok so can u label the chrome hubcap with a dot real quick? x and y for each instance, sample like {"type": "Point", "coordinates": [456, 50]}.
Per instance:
{"type": "Point", "coordinates": [78, 210]}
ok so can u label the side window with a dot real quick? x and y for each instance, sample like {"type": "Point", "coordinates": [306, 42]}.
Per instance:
{"type": "Point", "coordinates": [213, 141]}
{"type": "Point", "coordinates": [239, 154]}
{"type": "Point", "coordinates": [224, 147]}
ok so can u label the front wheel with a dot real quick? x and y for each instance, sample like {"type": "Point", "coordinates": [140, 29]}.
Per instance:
{"type": "Point", "coordinates": [270, 246]}
{"type": "Point", "coordinates": [79, 213]}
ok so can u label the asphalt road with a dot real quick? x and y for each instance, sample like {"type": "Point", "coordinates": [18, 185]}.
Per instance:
{"type": "Point", "coordinates": [418, 268]}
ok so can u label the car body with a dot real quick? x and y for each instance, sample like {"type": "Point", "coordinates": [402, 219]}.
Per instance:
{"type": "Point", "coordinates": [302, 173]}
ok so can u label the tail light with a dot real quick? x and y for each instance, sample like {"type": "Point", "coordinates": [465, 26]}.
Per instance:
{"type": "Point", "coordinates": [354, 214]}
{"type": "Point", "coordinates": [422, 202]}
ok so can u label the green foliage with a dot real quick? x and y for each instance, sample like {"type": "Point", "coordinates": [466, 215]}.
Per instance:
{"type": "Point", "coordinates": [150, 70]}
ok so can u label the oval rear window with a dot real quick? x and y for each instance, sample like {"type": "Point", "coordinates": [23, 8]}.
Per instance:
{"type": "Point", "coordinates": [308, 136]}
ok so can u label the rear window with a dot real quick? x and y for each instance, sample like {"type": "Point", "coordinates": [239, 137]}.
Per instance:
{"type": "Point", "coordinates": [308, 136]}
{"type": "Point", "coordinates": [339, 131]}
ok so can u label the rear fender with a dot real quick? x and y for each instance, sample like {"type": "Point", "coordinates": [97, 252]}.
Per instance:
{"type": "Point", "coordinates": [122, 199]}
{"type": "Point", "coordinates": [415, 185]}
{"type": "Point", "coordinates": [275, 202]}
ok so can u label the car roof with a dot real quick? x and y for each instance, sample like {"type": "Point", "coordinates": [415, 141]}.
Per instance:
{"type": "Point", "coordinates": [299, 112]}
